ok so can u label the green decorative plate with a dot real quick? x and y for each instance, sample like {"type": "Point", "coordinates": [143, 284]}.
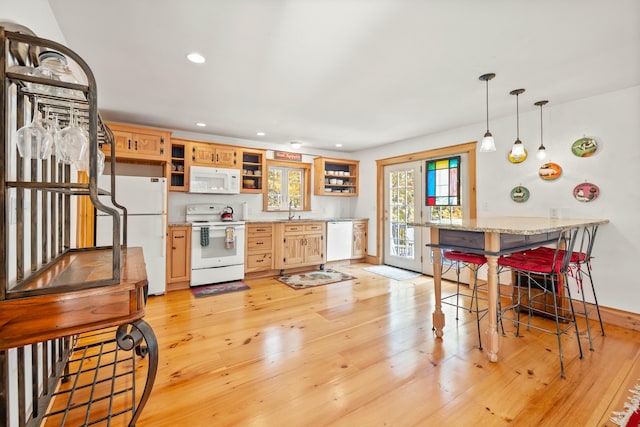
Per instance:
{"type": "Point", "coordinates": [520, 194]}
{"type": "Point", "coordinates": [584, 147]}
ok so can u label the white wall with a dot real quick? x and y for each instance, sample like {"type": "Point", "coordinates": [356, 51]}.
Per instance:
{"type": "Point", "coordinates": [613, 119]}
{"type": "Point", "coordinates": [33, 14]}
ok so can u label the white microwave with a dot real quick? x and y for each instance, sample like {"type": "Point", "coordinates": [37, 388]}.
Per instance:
{"type": "Point", "coordinates": [214, 180]}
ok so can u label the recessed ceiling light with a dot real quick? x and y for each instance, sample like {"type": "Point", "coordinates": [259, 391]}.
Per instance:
{"type": "Point", "coordinates": [196, 58]}
{"type": "Point", "coordinates": [338, 145]}
{"type": "Point", "coordinates": [260, 133]}
{"type": "Point", "coordinates": [200, 124]}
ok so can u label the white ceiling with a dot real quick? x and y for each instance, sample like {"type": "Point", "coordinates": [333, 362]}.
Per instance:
{"type": "Point", "coordinates": [357, 72]}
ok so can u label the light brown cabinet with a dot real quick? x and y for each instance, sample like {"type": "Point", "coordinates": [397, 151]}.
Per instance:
{"type": "Point", "coordinates": [359, 246]}
{"type": "Point", "coordinates": [138, 143]}
{"type": "Point", "coordinates": [259, 249]}
{"type": "Point", "coordinates": [178, 257]}
{"type": "Point", "coordinates": [335, 177]}
{"type": "Point", "coordinates": [253, 168]}
{"type": "Point", "coordinates": [303, 243]}
{"type": "Point", "coordinates": [213, 155]}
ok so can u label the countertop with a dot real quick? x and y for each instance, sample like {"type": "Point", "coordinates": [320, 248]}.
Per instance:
{"type": "Point", "coordinates": [515, 224]}
{"type": "Point", "coordinates": [279, 220]}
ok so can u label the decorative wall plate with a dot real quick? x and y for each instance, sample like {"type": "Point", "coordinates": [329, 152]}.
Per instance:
{"type": "Point", "coordinates": [520, 194]}
{"type": "Point", "coordinates": [584, 147]}
{"type": "Point", "coordinates": [520, 160]}
{"type": "Point", "coordinates": [586, 192]}
{"type": "Point", "coordinates": [550, 171]}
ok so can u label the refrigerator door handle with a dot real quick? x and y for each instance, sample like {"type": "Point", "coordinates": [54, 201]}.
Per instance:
{"type": "Point", "coordinates": [163, 236]}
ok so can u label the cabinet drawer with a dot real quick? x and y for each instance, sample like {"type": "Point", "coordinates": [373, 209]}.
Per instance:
{"type": "Point", "coordinates": [462, 239]}
{"type": "Point", "coordinates": [260, 229]}
{"type": "Point", "coordinates": [259, 261]}
{"type": "Point", "coordinates": [313, 227]}
{"type": "Point", "coordinates": [296, 228]}
{"type": "Point", "coordinates": [259, 243]}
{"type": "Point", "coordinates": [359, 225]}
{"type": "Point", "coordinates": [289, 228]}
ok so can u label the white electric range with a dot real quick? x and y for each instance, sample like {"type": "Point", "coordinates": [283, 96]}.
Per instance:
{"type": "Point", "coordinates": [217, 246]}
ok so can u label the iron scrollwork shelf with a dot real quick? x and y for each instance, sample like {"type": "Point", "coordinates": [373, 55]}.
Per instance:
{"type": "Point", "coordinates": [54, 294]}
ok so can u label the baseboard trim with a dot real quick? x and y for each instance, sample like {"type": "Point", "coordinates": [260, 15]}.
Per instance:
{"type": "Point", "coordinates": [610, 316]}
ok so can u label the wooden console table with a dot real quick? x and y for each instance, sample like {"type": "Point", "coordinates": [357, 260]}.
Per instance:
{"type": "Point", "coordinates": [493, 237]}
{"type": "Point", "coordinates": [40, 318]}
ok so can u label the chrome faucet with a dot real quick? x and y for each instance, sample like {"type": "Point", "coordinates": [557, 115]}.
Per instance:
{"type": "Point", "coordinates": [291, 214]}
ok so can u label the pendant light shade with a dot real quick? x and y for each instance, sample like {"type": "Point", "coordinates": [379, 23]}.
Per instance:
{"type": "Point", "coordinates": [542, 152]}
{"type": "Point", "coordinates": [488, 144]}
{"type": "Point", "coordinates": [517, 151]}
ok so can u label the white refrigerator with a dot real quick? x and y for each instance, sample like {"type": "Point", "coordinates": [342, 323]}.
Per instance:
{"type": "Point", "coordinates": [145, 200]}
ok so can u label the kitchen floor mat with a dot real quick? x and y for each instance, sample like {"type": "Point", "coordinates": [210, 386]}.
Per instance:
{"type": "Point", "coordinates": [218, 288]}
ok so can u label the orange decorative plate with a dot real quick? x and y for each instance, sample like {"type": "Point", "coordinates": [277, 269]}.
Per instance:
{"type": "Point", "coordinates": [550, 171]}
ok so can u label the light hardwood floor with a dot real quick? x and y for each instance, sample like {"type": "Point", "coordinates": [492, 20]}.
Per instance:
{"type": "Point", "coordinates": [362, 353]}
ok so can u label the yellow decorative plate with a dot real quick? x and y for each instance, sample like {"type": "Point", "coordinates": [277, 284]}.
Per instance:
{"type": "Point", "coordinates": [520, 160]}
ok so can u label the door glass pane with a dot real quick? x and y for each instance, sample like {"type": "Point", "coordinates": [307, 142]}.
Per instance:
{"type": "Point", "coordinates": [402, 211]}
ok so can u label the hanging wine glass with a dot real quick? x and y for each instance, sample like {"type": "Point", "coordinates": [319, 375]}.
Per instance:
{"type": "Point", "coordinates": [33, 140]}
{"type": "Point", "coordinates": [73, 141]}
{"type": "Point", "coordinates": [84, 163]}
{"type": "Point", "coordinates": [53, 127]}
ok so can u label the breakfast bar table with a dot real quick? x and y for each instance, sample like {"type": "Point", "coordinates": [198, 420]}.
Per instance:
{"type": "Point", "coordinates": [493, 237]}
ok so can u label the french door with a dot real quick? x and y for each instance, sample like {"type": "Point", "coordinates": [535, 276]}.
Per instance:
{"type": "Point", "coordinates": [405, 245]}
{"type": "Point", "coordinates": [403, 195]}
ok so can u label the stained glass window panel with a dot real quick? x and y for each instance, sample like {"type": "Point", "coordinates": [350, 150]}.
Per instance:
{"type": "Point", "coordinates": [443, 182]}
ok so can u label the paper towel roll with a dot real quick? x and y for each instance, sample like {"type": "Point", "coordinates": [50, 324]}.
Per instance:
{"type": "Point", "coordinates": [245, 211]}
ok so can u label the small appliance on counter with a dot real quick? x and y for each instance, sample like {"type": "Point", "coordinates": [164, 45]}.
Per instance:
{"type": "Point", "coordinates": [227, 214]}
{"type": "Point", "coordinates": [217, 244]}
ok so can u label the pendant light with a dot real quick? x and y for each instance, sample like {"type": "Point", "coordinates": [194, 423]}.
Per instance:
{"type": "Point", "coordinates": [488, 144]}
{"type": "Point", "coordinates": [542, 152]}
{"type": "Point", "coordinates": [517, 151]}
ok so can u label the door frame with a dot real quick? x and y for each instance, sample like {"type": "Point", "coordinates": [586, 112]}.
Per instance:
{"type": "Point", "coordinates": [469, 148]}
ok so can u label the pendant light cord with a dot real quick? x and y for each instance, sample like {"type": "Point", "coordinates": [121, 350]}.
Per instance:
{"type": "Point", "coordinates": [487, 98]}
{"type": "Point", "coordinates": [517, 117]}
{"type": "Point", "coordinates": [541, 137]}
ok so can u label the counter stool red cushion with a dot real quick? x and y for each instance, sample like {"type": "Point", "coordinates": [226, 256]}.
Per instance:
{"type": "Point", "coordinates": [473, 262]}
{"type": "Point", "coordinates": [538, 267]}
{"type": "Point", "coordinates": [476, 259]}
{"type": "Point", "coordinates": [578, 268]}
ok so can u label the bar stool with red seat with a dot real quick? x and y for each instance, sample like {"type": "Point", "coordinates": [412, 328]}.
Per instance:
{"type": "Point", "coordinates": [579, 268]}
{"type": "Point", "coordinates": [539, 271]}
{"type": "Point", "coordinates": [473, 262]}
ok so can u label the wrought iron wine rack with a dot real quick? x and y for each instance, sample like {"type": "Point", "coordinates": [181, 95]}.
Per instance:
{"type": "Point", "coordinates": [51, 291]}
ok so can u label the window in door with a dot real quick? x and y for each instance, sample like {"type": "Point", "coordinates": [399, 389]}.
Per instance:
{"type": "Point", "coordinates": [288, 185]}
{"type": "Point", "coordinates": [442, 188]}
{"type": "Point", "coordinates": [402, 211]}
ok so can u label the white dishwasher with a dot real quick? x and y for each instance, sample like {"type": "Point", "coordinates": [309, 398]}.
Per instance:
{"type": "Point", "coordinates": [339, 240]}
